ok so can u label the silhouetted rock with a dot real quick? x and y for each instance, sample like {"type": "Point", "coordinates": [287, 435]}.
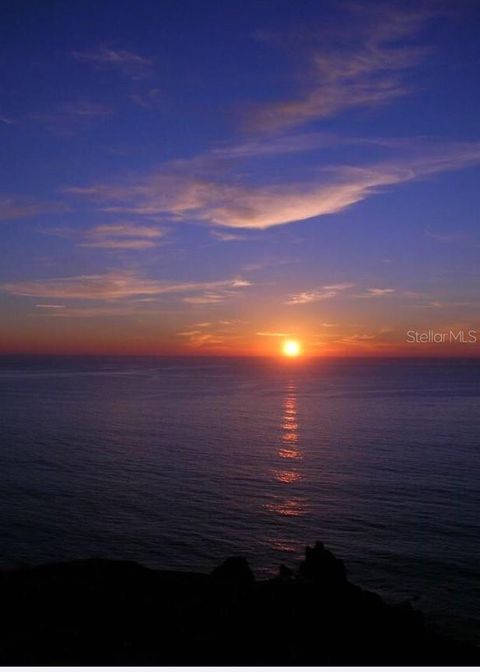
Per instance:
{"type": "Point", "coordinates": [285, 573]}
{"type": "Point", "coordinates": [322, 566]}
{"type": "Point", "coordinates": [234, 570]}
{"type": "Point", "coordinates": [100, 612]}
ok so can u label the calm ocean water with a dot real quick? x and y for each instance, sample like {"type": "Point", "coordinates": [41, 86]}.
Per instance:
{"type": "Point", "coordinates": [178, 463]}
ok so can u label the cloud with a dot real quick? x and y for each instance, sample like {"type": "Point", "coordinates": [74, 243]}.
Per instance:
{"type": "Point", "coordinates": [360, 64]}
{"type": "Point", "coordinates": [200, 339]}
{"type": "Point", "coordinates": [211, 333]}
{"type": "Point", "coordinates": [286, 144]}
{"type": "Point", "coordinates": [6, 120]}
{"type": "Point", "coordinates": [446, 304]}
{"type": "Point", "coordinates": [149, 100]}
{"type": "Point", "coordinates": [376, 292]}
{"type": "Point", "coordinates": [340, 286]}
{"type": "Point", "coordinates": [86, 109]}
{"type": "Point", "coordinates": [112, 286]}
{"type": "Point", "coordinates": [218, 296]}
{"type": "Point", "coordinates": [359, 338]}
{"type": "Point", "coordinates": [452, 237]}
{"type": "Point", "coordinates": [380, 292]}
{"type": "Point", "coordinates": [73, 116]}
{"type": "Point", "coordinates": [325, 292]}
{"type": "Point", "coordinates": [209, 297]}
{"type": "Point", "coordinates": [236, 206]}
{"type": "Point", "coordinates": [112, 244]}
{"type": "Point", "coordinates": [92, 311]}
{"type": "Point", "coordinates": [24, 208]}
{"type": "Point", "coordinates": [125, 62]}
{"type": "Point", "coordinates": [179, 193]}
{"type": "Point", "coordinates": [123, 236]}
{"type": "Point", "coordinates": [226, 236]}
{"type": "Point", "coordinates": [310, 297]}
{"type": "Point", "coordinates": [274, 334]}
{"type": "Point", "coordinates": [206, 334]}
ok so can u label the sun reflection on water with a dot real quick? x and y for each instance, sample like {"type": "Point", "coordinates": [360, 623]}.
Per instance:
{"type": "Point", "coordinates": [288, 472]}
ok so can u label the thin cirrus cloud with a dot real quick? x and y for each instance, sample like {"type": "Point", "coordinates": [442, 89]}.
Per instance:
{"type": "Point", "coordinates": [125, 62]}
{"type": "Point", "coordinates": [450, 237]}
{"type": "Point", "coordinates": [178, 194]}
{"type": "Point", "coordinates": [208, 297]}
{"type": "Point", "coordinates": [226, 236]}
{"type": "Point", "coordinates": [325, 292]}
{"type": "Point", "coordinates": [90, 312]}
{"type": "Point", "coordinates": [364, 337]}
{"type": "Point", "coordinates": [112, 286]}
{"type": "Point", "coordinates": [23, 208]}
{"type": "Point", "coordinates": [285, 144]}
{"type": "Point", "coordinates": [123, 236]}
{"type": "Point", "coordinates": [210, 333]}
{"type": "Point", "coordinates": [72, 116]}
{"type": "Point", "coordinates": [376, 292]}
{"type": "Point", "coordinates": [149, 100]}
{"type": "Point", "coordinates": [198, 339]}
{"type": "Point", "coordinates": [50, 306]}
{"type": "Point", "coordinates": [364, 67]}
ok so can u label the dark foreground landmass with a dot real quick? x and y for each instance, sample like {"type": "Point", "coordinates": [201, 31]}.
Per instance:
{"type": "Point", "coordinates": [101, 612]}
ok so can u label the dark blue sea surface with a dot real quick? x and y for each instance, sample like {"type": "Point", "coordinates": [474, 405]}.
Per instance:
{"type": "Point", "coordinates": [178, 463]}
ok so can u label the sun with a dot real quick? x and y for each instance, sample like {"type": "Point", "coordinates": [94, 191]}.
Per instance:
{"type": "Point", "coordinates": [291, 348]}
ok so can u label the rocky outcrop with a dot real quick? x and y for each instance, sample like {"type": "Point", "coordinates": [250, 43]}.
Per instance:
{"type": "Point", "coordinates": [100, 612]}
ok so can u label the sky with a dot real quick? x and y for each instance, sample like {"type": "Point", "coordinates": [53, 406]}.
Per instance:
{"type": "Point", "coordinates": [210, 178]}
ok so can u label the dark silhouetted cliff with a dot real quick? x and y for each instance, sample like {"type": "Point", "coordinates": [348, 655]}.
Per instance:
{"type": "Point", "coordinates": [100, 612]}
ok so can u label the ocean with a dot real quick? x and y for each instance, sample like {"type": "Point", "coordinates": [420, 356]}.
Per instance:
{"type": "Point", "coordinates": [180, 462]}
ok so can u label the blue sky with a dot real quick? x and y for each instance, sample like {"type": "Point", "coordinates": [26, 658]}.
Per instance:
{"type": "Point", "coordinates": [210, 178]}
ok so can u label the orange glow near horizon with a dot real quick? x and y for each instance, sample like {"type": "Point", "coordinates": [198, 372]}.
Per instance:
{"type": "Point", "coordinates": [187, 339]}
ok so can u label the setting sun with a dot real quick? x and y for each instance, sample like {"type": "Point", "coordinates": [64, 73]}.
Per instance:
{"type": "Point", "coordinates": [291, 348]}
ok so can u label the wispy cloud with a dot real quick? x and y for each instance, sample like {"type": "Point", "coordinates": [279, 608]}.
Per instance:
{"type": "Point", "coordinates": [149, 100]}
{"type": "Point", "coordinates": [209, 334]}
{"type": "Point", "coordinates": [199, 339]}
{"type": "Point", "coordinates": [177, 193]}
{"type": "Point", "coordinates": [112, 286]}
{"type": "Point", "coordinates": [23, 208]}
{"type": "Point", "coordinates": [220, 293]}
{"type": "Point", "coordinates": [313, 295]}
{"type": "Point", "coordinates": [310, 297]}
{"type": "Point", "coordinates": [339, 287]}
{"type": "Point", "coordinates": [273, 334]}
{"type": "Point", "coordinates": [285, 144]}
{"type": "Point", "coordinates": [226, 236]}
{"type": "Point", "coordinates": [446, 304]}
{"type": "Point", "coordinates": [360, 65]}
{"type": "Point", "coordinates": [91, 312]}
{"type": "Point", "coordinates": [383, 292]}
{"type": "Point", "coordinates": [123, 236]}
{"type": "Point", "coordinates": [376, 292]}
{"type": "Point", "coordinates": [364, 337]}
{"type": "Point", "coordinates": [125, 62]}
{"type": "Point", "coordinates": [73, 116]}
{"type": "Point", "coordinates": [120, 244]}
{"type": "Point", "coordinates": [449, 237]}
{"type": "Point", "coordinates": [208, 297]}
{"type": "Point", "coordinates": [50, 306]}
